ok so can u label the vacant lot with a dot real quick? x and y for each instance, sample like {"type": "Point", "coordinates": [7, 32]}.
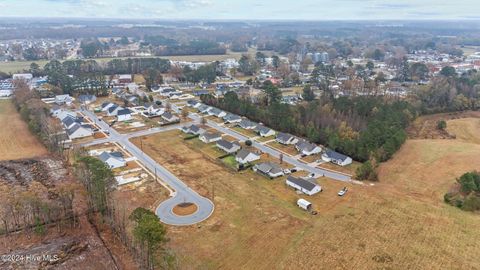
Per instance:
{"type": "Point", "coordinates": [399, 223]}
{"type": "Point", "coordinates": [466, 129]}
{"type": "Point", "coordinates": [16, 141]}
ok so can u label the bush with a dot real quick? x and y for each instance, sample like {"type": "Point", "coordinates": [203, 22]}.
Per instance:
{"type": "Point", "coordinates": [442, 125]}
{"type": "Point", "coordinates": [248, 143]}
{"type": "Point", "coordinates": [471, 203]}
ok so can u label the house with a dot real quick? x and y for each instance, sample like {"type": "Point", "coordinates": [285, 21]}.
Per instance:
{"type": "Point", "coordinates": [124, 115]}
{"type": "Point", "coordinates": [124, 79]}
{"type": "Point", "coordinates": [228, 146]}
{"type": "Point", "coordinates": [113, 110]}
{"type": "Point", "coordinates": [152, 110]}
{"type": "Point", "coordinates": [6, 92]}
{"type": "Point", "coordinates": [209, 137]}
{"type": "Point", "coordinates": [303, 185]}
{"type": "Point", "coordinates": [62, 139]}
{"type": "Point", "coordinates": [204, 108]}
{"type": "Point", "coordinates": [193, 129]}
{"type": "Point", "coordinates": [193, 103]}
{"type": "Point", "coordinates": [232, 118]}
{"type": "Point", "coordinates": [169, 117]}
{"type": "Point", "coordinates": [27, 77]}
{"type": "Point", "coordinates": [87, 99]}
{"type": "Point", "coordinates": [307, 149]}
{"type": "Point", "coordinates": [247, 124]}
{"type": "Point", "coordinates": [79, 131]}
{"type": "Point", "coordinates": [61, 114]}
{"type": "Point", "coordinates": [269, 169]}
{"type": "Point", "coordinates": [63, 99]}
{"type": "Point", "coordinates": [113, 159]}
{"type": "Point", "coordinates": [286, 139]}
{"type": "Point", "coordinates": [69, 121]}
{"type": "Point", "coordinates": [244, 156]}
{"type": "Point", "coordinates": [107, 105]}
{"type": "Point", "coordinates": [336, 158]}
{"type": "Point", "coordinates": [217, 112]}
{"type": "Point", "coordinates": [264, 131]}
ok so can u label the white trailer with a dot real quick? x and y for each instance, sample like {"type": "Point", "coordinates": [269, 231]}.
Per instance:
{"type": "Point", "coordinates": [304, 204]}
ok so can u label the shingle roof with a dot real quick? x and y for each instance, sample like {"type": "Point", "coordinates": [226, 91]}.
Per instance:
{"type": "Point", "coordinates": [211, 135]}
{"type": "Point", "coordinates": [335, 155]}
{"type": "Point", "coordinates": [302, 183]}
{"type": "Point", "coordinates": [124, 112]}
{"type": "Point", "coordinates": [226, 144]}
{"type": "Point", "coordinates": [284, 137]}
{"type": "Point", "coordinates": [242, 154]}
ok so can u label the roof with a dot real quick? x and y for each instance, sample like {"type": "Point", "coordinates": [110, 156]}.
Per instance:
{"type": "Point", "coordinates": [211, 135]}
{"type": "Point", "coordinates": [68, 121]}
{"type": "Point", "coordinates": [231, 117]}
{"type": "Point", "coordinates": [226, 144]}
{"type": "Point", "coordinates": [124, 112]}
{"type": "Point", "coordinates": [106, 156]}
{"type": "Point", "coordinates": [267, 167]}
{"type": "Point", "coordinates": [284, 137]}
{"type": "Point", "coordinates": [113, 108]}
{"type": "Point", "coordinates": [242, 154]}
{"type": "Point", "coordinates": [305, 146]}
{"type": "Point", "coordinates": [194, 128]}
{"type": "Point", "coordinates": [302, 183]}
{"type": "Point", "coordinates": [247, 123]}
{"type": "Point", "coordinates": [215, 111]}
{"type": "Point", "coordinates": [105, 104]}
{"type": "Point", "coordinates": [73, 129]}
{"type": "Point", "coordinates": [262, 129]}
{"type": "Point", "coordinates": [335, 155]}
{"type": "Point", "coordinates": [192, 102]}
{"type": "Point", "coordinates": [168, 115]}
{"type": "Point", "coordinates": [87, 97]}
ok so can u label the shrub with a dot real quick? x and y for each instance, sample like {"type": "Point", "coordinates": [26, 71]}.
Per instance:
{"type": "Point", "coordinates": [366, 172]}
{"type": "Point", "coordinates": [442, 125]}
{"type": "Point", "coordinates": [471, 203]}
{"type": "Point", "coordinates": [248, 143]}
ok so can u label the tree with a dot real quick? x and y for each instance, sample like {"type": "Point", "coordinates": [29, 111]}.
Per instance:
{"type": "Point", "coordinates": [448, 71]}
{"type": "Point", "coordinates": [273, 93]}
{"type": "Point", "coordinates": [370, 65]}
{"type": "Point", "coordinates": [248, 143]}
{"type": "Point", "coordinates": [308, 94]}
{"type": "Point", "coordinates": [203, 121]}
{"type": "Point", "coordinates": [153, 77]}
{"type": "Point", "coordinates": [275, 61]}
{"type": "Point", "coordinates": [184, 114]}
{"type": "Point", "coordinates": [366, 172]}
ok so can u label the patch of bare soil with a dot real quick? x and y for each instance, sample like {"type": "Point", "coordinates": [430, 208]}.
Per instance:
{"type": "Point", "coordinates": [185, 209]}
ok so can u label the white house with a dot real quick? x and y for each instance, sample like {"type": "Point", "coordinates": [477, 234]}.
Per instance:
{"type": "Point", "coordinates": [216, 112]}
{"type": "Point", "coordinates": [63, 99]}
{"type": "Point", "coordinates": [286, 139]}
{"type": "Point", "coordinates": [303, 185]}
{"type": "Point", "coordinates": [113, 110]}
{"type": "Point", "coordinates": [124, 115]}
{"type": "Point", "coordinates": [247, 124]}
{"type": "Point", "coordinates": [307, 149]}
{"type": "Point", "coordinates": [244, 156]}
{"type": "Point", "coordinates": [336, 158]}
{"type": "Point", "coordinates": [113, 159]}
{"type": "Point", "coordinates": [232, 118]}
{"type": "Point", "coordinates": [107, 105]}
{"type": "Point", "coordinates": [193, 129]}
{"type": "Point", "coordinates": [79, 131]}
{"type": "Point", "coordinates": [228, 146]}
{"type": "Point", "coordinates": [209, 137]}
{"type": "Point", "coordinates": [264, 131]}
{"type": "Point", "coordinates": [269, 169]}
{"type": "Point", "coordinates": [169, 117]}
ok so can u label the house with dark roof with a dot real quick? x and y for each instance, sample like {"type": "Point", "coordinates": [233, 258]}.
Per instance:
{"type": "Point", "coordinates": [107, 105]}
{"type": "Point", "coordinates": [124, 115]}
{"type": "Point", "coordinates": [204, 108]}
{"type": "Point", "coordinates": [244, 156]}
{"type": "Point", "coordinates": [153, 109]}
{"type": "Point", "coordinates": [264, 131]}
{"type": "Point", "coordinates": [193, 129]}
{"type": "Point", "coordinates": [269, 169]}
{"type": "Point", "coordinates": [63, 99]}
{"type": "Point", "coordinates": [113, 159]}
{"type": "Point", "coordinates": [79, 131]}
{"type": "Point", "coordinates": [305, 148]}
{"type": "Point", "coordinates": [232, 118]}
{"type": "Point", "coordinates": [193, 103]}
{"type": "Point", "coordinates": [286, 139]}
{"type": "Point", "coordinates": [217, 112]}
{"type": "Point", "coordinates": [87, 99]}
{"type": "Point", "coordinates": [228, 147]}
{"type": "Point", "coordinates": [336, 158]}
{"type": "Point", "coordinates": [209, 137]}
{"type": "Point", "coordinates": [113, 110]}
{"type": "Point", "coordinates": [170, 118]}
{"type": "Point", "coordinates": [247, 124]}
{"type": "Point", "coordinates": [69, 121]}
{"type": "Point", "coordinates": [303, 185]}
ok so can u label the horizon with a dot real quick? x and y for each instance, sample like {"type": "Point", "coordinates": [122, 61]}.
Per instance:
{"type": "Point", "coordinates": [250, 10]}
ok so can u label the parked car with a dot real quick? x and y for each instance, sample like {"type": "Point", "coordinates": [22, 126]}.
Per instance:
{"type": "Point", "coordinates": [342, 191]}
{"type": "Point", "coordinates": [287, 171]}
{"type": "Point", "coordinates": [311, 175]}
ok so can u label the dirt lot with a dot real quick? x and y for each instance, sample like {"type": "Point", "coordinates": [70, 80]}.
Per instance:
{"type": "Point", "coordinates": [399, 223]}
{"type": "Point", "coordinates": [16, 141]}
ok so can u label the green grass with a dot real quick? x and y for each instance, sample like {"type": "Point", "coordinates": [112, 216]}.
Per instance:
{"type": "Point", "coordinates": [230, 161]}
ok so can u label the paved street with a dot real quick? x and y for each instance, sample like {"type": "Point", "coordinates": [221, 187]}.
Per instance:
{"type": "Point", "coordinates": [182, 192]}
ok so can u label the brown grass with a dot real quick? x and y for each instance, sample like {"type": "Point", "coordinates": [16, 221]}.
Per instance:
{"type": "Point", "coordinates": [16, 141]}
{"type": "Point", "coordinates": [399, 223]}
{"type": "Point", "coordinates": [185, 209]}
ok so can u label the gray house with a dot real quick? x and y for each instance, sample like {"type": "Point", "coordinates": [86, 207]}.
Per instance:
{"type": "Point", "coordinates": [228, 146]}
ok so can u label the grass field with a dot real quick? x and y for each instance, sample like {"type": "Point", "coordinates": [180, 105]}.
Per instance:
{"type": "Point", "coordinates": [16, 141]}
{"type": "Point", "coordinates": [399, 223]}
{"type": "Point", "coordinates": [465, 129]}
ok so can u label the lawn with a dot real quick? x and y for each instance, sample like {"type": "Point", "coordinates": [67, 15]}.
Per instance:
{"type": "Point", "coordinates": [246, 132]}
{"type": "Point", "coordinates": [16, 141]}
{"type": "Point", "coordinates": [288, 149]}
{"type": "Point", "coordinates": [465, 129]}
{"type": "Point", "coordinates": [230, 162]}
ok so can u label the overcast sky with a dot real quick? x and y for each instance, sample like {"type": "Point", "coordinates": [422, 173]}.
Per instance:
{"type": "Point", "coordinates": [245, 9]}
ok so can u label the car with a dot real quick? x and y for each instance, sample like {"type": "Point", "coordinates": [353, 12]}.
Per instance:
{"type": "Point", "coordinates": [342, 191]}
{"type": "Point", "coordinates": [287, 171]}
{"type": "Point", "coordinates": [311, 175]}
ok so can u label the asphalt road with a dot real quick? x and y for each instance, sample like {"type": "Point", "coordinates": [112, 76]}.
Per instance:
{"type": "Point", "coordinates": [182, 192]}
{"type": "Point", "coordinates": [288, 159]}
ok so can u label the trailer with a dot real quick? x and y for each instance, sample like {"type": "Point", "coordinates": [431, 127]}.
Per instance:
{"type": "Point", "coordinates": [304, 204]}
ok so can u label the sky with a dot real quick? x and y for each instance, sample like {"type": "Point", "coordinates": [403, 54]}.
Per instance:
{"type": "Point", "coordinates": [246, 9]}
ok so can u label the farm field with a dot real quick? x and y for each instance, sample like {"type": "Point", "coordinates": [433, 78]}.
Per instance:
{"type": "Point", "coordinates": [16, 141]}
{"type": "Point", "coordinates": [400, 222]}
